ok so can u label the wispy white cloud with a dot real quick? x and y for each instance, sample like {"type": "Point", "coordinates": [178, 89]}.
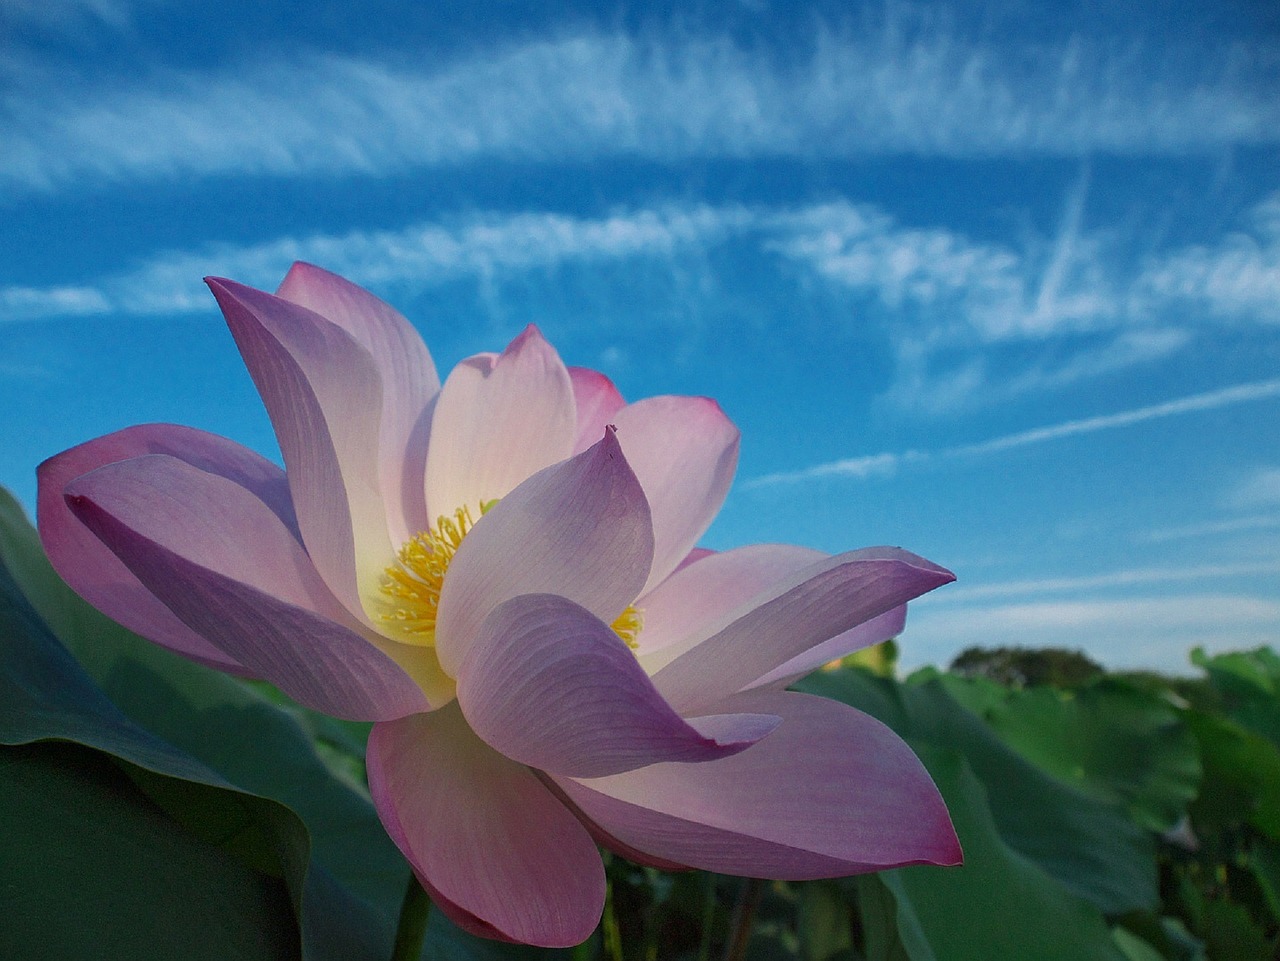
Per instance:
{"type": "Point", "coordinates": [1109, 580]}
{"type": "Point", "coordinates": [956, 313]}
{"type": "Point", "coordinates": [1259, 489]}
{"type": "Point", "coordinates": [1115, 352]}
{"type": "Point", "coordinates": [415, 258]}
{"type": "Point", "coordinates": [958, 306]}
{"type": "Point", "coordinates": [1212, 400]}
{"type": "Point", "coordinates": [898, 266]}
{"type": "Point", "coordinates": [30, 303]}
{"type": "Point", "coordinates": [858, 468]}
{"type": "Point", "coordinates": [961, 308]}
{"type": "Point", "coordinates": [1264, 487]}
{"type": "Point", "coordinates": [1237, 278]}
{"type": "Point", "coordinates": [63, 14]}
{"type": "Point", "coordinates": [979, 287]}
{"type": "Point", "coordinates": [882, 91]}
{"type": "Point", "coordinates": [1234, 525]}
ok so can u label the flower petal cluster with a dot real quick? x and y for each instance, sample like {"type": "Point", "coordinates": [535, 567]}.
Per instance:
{"type": "Point", "coordinates": [501, 572]}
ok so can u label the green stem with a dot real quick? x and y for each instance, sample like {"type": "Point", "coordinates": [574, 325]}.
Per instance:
{"type": "Point", "coordinates": [415, 909]}
{"type": "Point", "coordinates": [744, 917]}
{"type": "Point", "coordinates": [609, 931]}
{"type": "Point", "coordinates": [708, 915]}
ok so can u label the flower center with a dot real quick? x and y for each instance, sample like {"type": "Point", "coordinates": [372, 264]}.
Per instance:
{"type": "Point", "coordinates": [628, 625]}
{"type": "Point", "coordinates": [411, 586]}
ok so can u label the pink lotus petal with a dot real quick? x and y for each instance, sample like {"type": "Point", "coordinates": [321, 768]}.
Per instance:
{"type": "Point", "coordinates": [803, 611]}
{"type": "Point", "coordinates": [697, 554]}
{"type": "Point", "coordinates": [875, 631]}
{"type": "Point", "coordinates": [97, 575]}
{"type": "Point", "coordinates": [323, 392]}
{"type": "Point", "coordinates": [579, 529]}
{"type": "Point", "coordinates": [684, 450]}
{"type": "Point", "coordinates": [700, 594]}
{"type": "Point", "coordinates": [597, 401]}
{"type": "Point", "coordinates": [483, 833]}
{"type": "Point", "coordinates": [549, 684]}
{"type": "Point", "coordinates": [409, 383]}
{"type": "Point", "coordinates": [832, 792]}
{"type": "Point", "coordinates": [218, 557]}
{"type": "Point", "coordinates": [604, 838]}
{"type": "Point", "coordinates": [498, 420]}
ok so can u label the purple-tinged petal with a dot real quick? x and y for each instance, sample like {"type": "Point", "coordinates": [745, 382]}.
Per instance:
{"type": "Point", "coordinates": [97, 575]}
{"type": "Point", "coordinates": [603, 837]}
{"type": "Point", "coordinates": [221, 561]}
{"type": "Point", "coordinates": [697, 554]}
{"type": "Point", "coordinates": [409, 384]}
{"type": "Point", "coordinates": [482, 831]}
{"type": "Point", "coordinates": [684, 450]}
{"type": "Point", "coordinates": [700, 593]}
{"type": "Point", "coordinates": [499, 419]}
{"type": "Point", "coordinates": [323, 391]}
{"type": "Point", "coordinates": [549, 684]}
{"type": "Point", "coordinates": [579, 528]}
{"type": "Point", "coordinates": [597, 401]}
{"type": "Point", "coordinates": [875, 631]}
{"type": "Point", "coordinates": [832, 792]}
{"type": "Point", "coordinates": [804, 610]}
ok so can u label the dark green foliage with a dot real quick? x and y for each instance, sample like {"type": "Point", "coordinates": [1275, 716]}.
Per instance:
{"type": "Point", "coordinates": [1024, 666]}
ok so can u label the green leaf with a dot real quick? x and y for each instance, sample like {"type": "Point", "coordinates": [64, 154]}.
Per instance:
{"type": "Point", "coordinates": [1249, 682]}
{"type": "Point", "coordinates": [1231, 935]}
{"type": "Point", "coordinates": [1134, 947]}
{"type": "Point", "coordinates": [1182, 945]}
{"type": "Point", "coordinates": [1241, 776]}
{"type": "Point", "coordinates": [84, 780]}
{"type": "Point", "coordinates": [890, 927]}
{"type": "Point", "coordinates": [823, 921]}
{"type": "Point", "coordinates": [1264, 862]}
{"type": "Point", "coordinates": [91, 869]}
{"type": "Point", "coordinates": [1091, 846]}
{"type": "Point", "coordinates": [999, 904]}
{"type": "Point", "coordinates": [1109, 739]}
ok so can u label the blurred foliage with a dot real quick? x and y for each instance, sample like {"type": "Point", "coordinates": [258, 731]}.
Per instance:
{"type": "Point", "coordinates": [1027, 666]}
{"type": "Point", "coordinates": [153, 808]}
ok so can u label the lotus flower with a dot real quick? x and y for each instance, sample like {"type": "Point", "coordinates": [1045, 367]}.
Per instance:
{"type": "Point", "coordinates": [502, 573]}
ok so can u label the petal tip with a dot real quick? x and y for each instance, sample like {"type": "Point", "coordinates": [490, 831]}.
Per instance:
{"type": "Point", "coordinates": [531, 335]}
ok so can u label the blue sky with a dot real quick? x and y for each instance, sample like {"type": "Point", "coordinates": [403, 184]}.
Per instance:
{"type": "Point", "coordinates": [997, 282]}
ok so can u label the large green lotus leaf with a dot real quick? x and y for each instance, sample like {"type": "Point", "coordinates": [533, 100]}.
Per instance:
{"type": "Point", "coordinates": [999, 904]}
{"type": "Point", "coordinates": [891, 929]}
{"type": "Point", "coordinates": [1092, 847]}
{"type": "Point", "coordinates": [1264, 862]}
{"type": "Point", "coordinates": [90, 868]}
{"type": "Point", "coordinates": [1231, 935]}
{"type": "Point", "coordinates": [240, 731]}
{"type": "Point", "coordinates": [1241, 671]}
{"type": "Point", "coordinates": [214, 718]}
{"type": "Point", "coordinates": [1249, 683]}
{"type": "Point", "coordinates": [1241, 776]}
{"type": "Point", "coordinates": [1109, 739]}
{"type": "Point", "coordinates": [83, 791]}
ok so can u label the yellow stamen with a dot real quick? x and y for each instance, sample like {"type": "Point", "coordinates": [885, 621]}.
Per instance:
{"type": "Point", "coordinates": [411, 586]}
{"type": "Point", "coordinates": [628, 625]}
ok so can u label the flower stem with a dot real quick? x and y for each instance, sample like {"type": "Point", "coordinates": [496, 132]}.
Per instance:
{"type": "Point", "coordinates": [609, 931]}
{"type": "Point", "coordinates": [415, 909]}
{"type": "Point", "coordinates": [743, 917]}
{"type": "Point", "coordinates": [708, 915]}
